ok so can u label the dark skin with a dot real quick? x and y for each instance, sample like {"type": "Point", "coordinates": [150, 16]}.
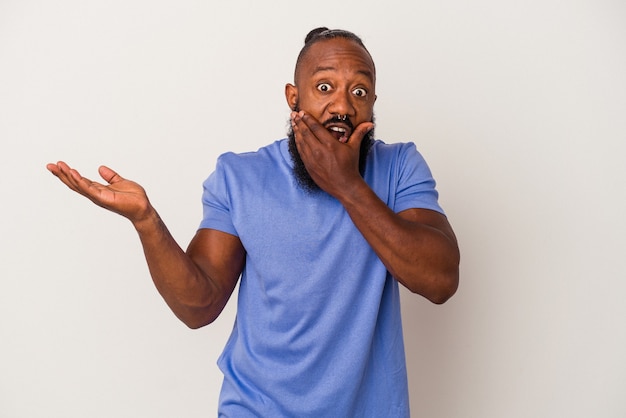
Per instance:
{"type": "Point", "coordinates": [336, 77]}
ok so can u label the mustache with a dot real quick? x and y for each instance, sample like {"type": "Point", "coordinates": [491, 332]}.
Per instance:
{"type": "Point", "coordinates": [332, 119]}
{"type": "Point", "coordinates": [337, 119]}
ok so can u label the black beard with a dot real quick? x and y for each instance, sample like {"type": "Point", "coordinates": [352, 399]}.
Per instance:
{"type": "Point", "coordinates": [302, 176]}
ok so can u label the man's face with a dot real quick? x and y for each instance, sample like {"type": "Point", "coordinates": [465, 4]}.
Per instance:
{"type": "Point", "coordinates": [335, 83]}
{"type": "Point", "coordinates": [335, 77]}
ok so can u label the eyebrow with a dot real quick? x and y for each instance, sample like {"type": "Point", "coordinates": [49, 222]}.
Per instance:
{"type": "Point", "coordinates": [320, 69]}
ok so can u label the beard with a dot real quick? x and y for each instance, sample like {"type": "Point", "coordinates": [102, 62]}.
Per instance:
{"type": "Point", "coordinates": [302, 176]}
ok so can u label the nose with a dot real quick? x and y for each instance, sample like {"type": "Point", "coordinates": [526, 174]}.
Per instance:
{"type": "Point", "coordinates": [341, 103]}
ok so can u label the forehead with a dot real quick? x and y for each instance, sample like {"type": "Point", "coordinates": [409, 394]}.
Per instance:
{"type": "Point", "coordinates": [339, 55]}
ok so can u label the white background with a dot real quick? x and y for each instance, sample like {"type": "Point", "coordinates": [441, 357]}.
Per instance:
{"type": "Point", "coordinates": [519, 107]}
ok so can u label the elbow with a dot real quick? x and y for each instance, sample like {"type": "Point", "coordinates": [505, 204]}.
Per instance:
{"type": "Point", "coordinates": [197, 313]}
{"type": "Point", "coordinates": [445, 284]}
{"type": "Point", "coordinates": [445, 288]}
{"type": "Point", "coordinates": [196, 323]}
{"type": "Point", "coordinates": [195, 318]}
{"type": "Point", "coordinates": [437, 278]}
{"type": "Point", "coordinates": [441, 296]}
{"type": "Point", "coordinates": [439, 288]}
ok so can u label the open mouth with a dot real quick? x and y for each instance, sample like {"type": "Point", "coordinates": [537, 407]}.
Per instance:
{"type": "Point", "coordinates": [340, 133]}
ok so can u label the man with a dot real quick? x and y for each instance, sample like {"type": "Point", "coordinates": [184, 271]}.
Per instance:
{"type": "Point", "coordinates": [320, 227]}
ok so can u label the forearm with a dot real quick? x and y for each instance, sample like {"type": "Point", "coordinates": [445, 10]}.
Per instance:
{"type": "Point", "coordinates": [193, 297]}
{"type": "Point", "coordinates": [417, 247]}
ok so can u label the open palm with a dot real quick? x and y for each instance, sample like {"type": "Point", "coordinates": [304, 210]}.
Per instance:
{"type": "Point", "coordinates": [121, 196]}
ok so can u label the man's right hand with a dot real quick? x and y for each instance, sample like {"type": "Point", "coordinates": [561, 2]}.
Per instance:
{"type": "Point", "coordinates": [195, 284]}
{"type": "Point", "coordinates": [121, 196]}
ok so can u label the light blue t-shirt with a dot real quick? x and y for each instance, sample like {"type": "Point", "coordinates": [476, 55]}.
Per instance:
{"type": "Point", "coordinates": [318, 330]}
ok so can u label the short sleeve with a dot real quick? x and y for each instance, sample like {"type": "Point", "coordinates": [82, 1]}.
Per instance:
{"type": "Point", "coordinates": [216, 202]}
{"type": "Point", "coordinates": [416, 187]}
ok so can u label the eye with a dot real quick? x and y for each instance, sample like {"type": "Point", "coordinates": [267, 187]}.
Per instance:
{"type": "Point", "coordinates": [323, 87]}
{"type": "Point", "coordinates": [359, 92]}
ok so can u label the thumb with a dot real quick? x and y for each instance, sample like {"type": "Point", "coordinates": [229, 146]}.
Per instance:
{"type": "Point", "coordinates": [109, 175]}
{"type": "Point", "coordinates": [359, 133]}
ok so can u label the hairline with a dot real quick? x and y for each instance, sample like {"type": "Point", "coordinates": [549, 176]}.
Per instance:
{"type": "Point", "coordinates": [329, 35]}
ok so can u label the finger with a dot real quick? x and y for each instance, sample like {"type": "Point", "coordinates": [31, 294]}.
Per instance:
{"type": "Point", "coordinates": [109, 175]}
{"type": "Point", "coordinates": [56, 168]}
{"type": "Point", "coordinates": [303, 136]}
{"type": "Point", "coordinates": [82, 185]}
{"type": "Point", "coordinates": [51, 167]}
{"type": "Point", "coordinates": [314, 128]}
{"type": "Point", "coordinates": [72, 175]}
{"type": "Point", "coordinates": [299, 128]}
{"type": "Point", "coordinates": [308, 129]}
{"type": "Point", "coordinates": [64, 173]}
{"type": "Point", "coordinates": [359, 133]}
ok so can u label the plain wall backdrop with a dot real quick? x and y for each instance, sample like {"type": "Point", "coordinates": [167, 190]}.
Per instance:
{"type": "Point", "coordinates": [519, 108]}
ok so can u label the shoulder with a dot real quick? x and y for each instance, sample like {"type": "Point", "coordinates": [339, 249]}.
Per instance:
{"type": "Point", "coordinates": [265, 153]}
{"type": "Point", "coordinates": [398, 151]}
{"type": "Point", "coordinates": [396, 158]}
{"type": "Point", "coordinates": [401, 177]}
{"type": "Point", "coordinates": [254, 169]}
{"type": "Point", "coordinates": [253, 163]}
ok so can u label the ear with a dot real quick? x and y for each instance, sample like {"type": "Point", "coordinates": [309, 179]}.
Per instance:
{"type": "Point", "coordinates": [291, 94]}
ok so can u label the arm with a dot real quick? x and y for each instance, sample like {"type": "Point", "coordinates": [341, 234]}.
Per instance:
{"type": "Point", "coordinates": [417, 246]}
{"type": "Point", "coordinates": [196, 284]}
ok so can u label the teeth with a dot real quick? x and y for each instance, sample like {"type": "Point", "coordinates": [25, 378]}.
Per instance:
{"type": "Point", "coordinates": [337, 129]}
